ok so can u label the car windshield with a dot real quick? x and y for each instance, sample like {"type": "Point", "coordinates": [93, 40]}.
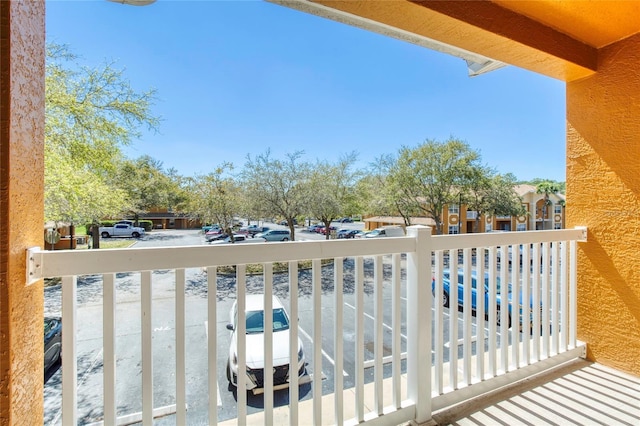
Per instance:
{"type": "Point", "coordinates": [255, 321]}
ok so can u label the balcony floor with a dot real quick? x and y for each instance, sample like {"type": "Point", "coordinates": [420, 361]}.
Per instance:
{"type": "Point", "coordinates": [578, 393]}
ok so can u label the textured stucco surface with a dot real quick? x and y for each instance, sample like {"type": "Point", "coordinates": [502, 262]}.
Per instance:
{"type": "Point", "coordinates": [603, 193]}
{"type": "Point", "coordinates": [21, 209]}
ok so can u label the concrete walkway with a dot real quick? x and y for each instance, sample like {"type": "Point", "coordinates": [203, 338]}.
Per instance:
{"type": "Point", "coordinates": [578, 393]}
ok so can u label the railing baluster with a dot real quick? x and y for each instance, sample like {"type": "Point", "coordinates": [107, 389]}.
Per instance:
{"type": "Point", "coordinates": [573, 295]}
{"type": "Point", "coordinates": [438, 339]}
{"type": "Point", "coordinates": [396, 334]}
{"type": "Point", "coordinates": [317, 340]}
{"type": "Point", "coordinates": [147, 348]}
{"type": "Point", "coordinates": [466, 261]}
{"type": "Point", "coordinates": [109, 344]}
{"type": "Point", "coordinates": [453, 318]}
{"type": "Point", "coordinates": [538, 309]}
{"type": "Point", "coordinates": [492, 313]}
{"type": "Point", "coordinates": [181, 370]}
{"type": "Point", "coordinates": [241, 333]}
{"type": "Point", "coordinates": [480, 312]}
{"type": "Point", "coordinates": [293, 342]}
{"type": "Point", "coordinates": [267, 377]}
{"type": "Point", "coordinates": [504, 308]}
{"type": "Point", "coordinates": [338, 342]}
{"type": "Point", "coordinates": [555, 296]}
{"type": "Point", "coordinates": [359, 352]}
{"type": "Point", "coordinates": [69, 351]}
{"type": "Point", "coordinates": [378, 341]}
{"type": "Point", "coordinates": [546, 304]}
{"type": "Point", "coordinates": [517, 306]}
{"type": "Point", "coordinates": [526, 304]}
{"type": "Point", "coordinates": [212, 340]}
{"type": "Point", "coordinates": [563, 329]}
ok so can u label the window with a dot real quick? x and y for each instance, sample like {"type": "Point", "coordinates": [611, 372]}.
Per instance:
{"type": "Point", "coordinates": [454, 209]}
{"type": "Point", "coordinates": [489, 227]}
{"type": "Point", "coordinates": [557, 209]}
{"type": "Point", "coordinates": [521, 227]}
{"type": "Point", "coordinates": [557, 226]}
{"type": "Point", "coordinates": [453, 229]}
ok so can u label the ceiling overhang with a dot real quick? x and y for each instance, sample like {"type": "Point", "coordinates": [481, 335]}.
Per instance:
{"type": "Point", "coordinates": [494, 34]}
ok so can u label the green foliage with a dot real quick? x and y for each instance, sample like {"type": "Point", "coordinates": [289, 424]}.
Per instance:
{"type": "Point", "coordinates": [277, 188]}
{"type": "Point", "coordinates": [90, 115]}
{"type": "Point", "coordinates": [430, 176]}
{"type": "Point", "coordinates": [331, 189]}
{"type": "Point", "coordinates": [215, 197]}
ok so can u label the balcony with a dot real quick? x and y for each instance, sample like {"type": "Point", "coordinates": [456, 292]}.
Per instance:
{"type": "Point", "coordinates": [378, 345]}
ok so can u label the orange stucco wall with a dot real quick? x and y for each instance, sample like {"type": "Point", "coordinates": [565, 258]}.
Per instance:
{"type": "Point", "coordinates": [603, 190]}
{"type": "Point", "coordinates": [22, 38]}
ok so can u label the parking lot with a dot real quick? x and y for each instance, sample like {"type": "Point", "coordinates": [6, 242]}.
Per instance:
{"type": "Point", "coordinates": [129, 381]}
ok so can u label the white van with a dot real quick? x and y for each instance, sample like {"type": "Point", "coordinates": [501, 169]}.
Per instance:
{"type": "Point", "coordinates": [386, 231]}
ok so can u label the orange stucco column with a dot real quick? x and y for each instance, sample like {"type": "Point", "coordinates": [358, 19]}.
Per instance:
{"type": "Point", "coordinates": [22, 40]}
{"type": "Point", "coordinates": [603, 193]}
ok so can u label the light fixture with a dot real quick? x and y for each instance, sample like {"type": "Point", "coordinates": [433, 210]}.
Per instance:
{"type": "Point", "coordinates": [476, 64]}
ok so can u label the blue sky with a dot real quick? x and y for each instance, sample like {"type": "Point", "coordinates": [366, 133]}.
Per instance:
{"type": "Point", "coordinates": [239, 77]}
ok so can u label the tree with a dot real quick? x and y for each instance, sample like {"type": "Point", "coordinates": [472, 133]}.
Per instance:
{"type": "Point", "coordinates": [492, 194]}
{"type": "Point", "coordinates": [432, 175]}
{"type": "Point", "coordinates": [547, 188]}
{"type": "Point", "coordinates": [90, 115]}
{"type": "Point", "coordinates": [146, 184]}
{"type": "Point", "coordinates": [331, 189]}
{"type": "Point", "coordinates": [216, 198]}
{"type": "Point", "coordinates": [277, 188]}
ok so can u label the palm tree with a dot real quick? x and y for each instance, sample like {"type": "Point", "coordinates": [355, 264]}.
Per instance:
{"type": "Point", "coordinates": [547, 188]}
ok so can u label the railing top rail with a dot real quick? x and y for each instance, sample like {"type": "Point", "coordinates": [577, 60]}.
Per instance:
{"type": "Point", "coordinates": [489, 239]}
{"type": "Point", "coordinates": [62, 263]}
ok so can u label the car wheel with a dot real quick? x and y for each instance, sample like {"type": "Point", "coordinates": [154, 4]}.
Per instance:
{"type": "Point", "coordinates": [445, 299]}
{"type": "Point", "coordinates": [284, 239]}
{"type": "Point", "coordinates": [105, 235]}
{"type": "Point", "coordinates": [135, 235]}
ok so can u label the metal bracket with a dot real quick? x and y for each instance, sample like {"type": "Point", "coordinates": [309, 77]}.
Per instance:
{"type": "Point", "coordinates": [34, 264]}
{"type": "Point", "coordinates": [584, 233]}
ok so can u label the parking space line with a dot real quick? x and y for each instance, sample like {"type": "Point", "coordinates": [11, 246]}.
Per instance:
{"type": "Point", "coordinates": [372, 318]}
{"type": "Point", "coordinates": [326, 355]}
{"type": "Point", "coordinates": [206, 331]}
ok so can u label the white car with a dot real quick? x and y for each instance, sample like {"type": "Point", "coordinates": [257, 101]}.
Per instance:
{"type": "Point", "coordinates": [255, 345]}
{"type": "Point", "coordinates": [237, 239]}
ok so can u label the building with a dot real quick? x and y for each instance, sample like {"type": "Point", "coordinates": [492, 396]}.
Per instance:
{"type": "Point", "coordinates": [457, 219]}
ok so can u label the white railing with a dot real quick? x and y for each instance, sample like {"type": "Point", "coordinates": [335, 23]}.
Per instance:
{"type": "Point", "coordinates": [483, 359]}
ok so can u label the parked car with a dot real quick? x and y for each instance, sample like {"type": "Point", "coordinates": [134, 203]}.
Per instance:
{"type": "Point", "coordinates": [52, 341]}
{"type": "Point", "coordinates": [348, 233]}
{"type": "Point", "coordinates": [285, 223]}
{"type": "Point", "coordinates": [314, 228]}
{"type": "Point", "coordinates": [121, 230]}
{"type": "Point", "coordinates": [386, 231]}
{"type": "Point", "coordinates": [209, 237]}
{"type": "Point", "coordinates": [282, 365]}
{"type": "Point", "coordinates": [323, 230]}
{"type": "Point", "coordinates": [207, 228]}
{"type": "Point", "coordinates": [275, 235]}
{"type": "Point", "coordinates": [213, 233]}
{"type": "Point", "coordinates": [345, 220]}
{"type": "Point", "coordinates": [238, 239]}
{"type": "Point", "coordinates": [446, 294]}
{"type": "Point", "coordinates": [252, 230]}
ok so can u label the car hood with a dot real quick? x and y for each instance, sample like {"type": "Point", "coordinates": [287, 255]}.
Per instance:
{"type": "Point", "coordinates": [255, 349]}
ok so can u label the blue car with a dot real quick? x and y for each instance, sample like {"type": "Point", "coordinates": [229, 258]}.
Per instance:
{"type": "Point", "coordinates": [474, 303]}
